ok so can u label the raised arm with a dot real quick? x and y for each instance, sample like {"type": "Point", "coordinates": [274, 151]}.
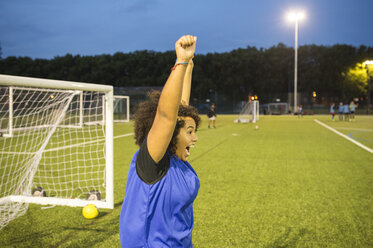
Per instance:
{"type": "Point", "coordinates": [187, 84]}
{"type": "Point", "coordinates": [164, 123]}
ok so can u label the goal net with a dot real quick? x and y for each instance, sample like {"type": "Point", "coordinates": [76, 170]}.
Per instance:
{"type": "Point", "coordinates": [278, 108]}
{"type": "Point", "coordinates": [56, 145]}
{"type": "Point", "coordinates": [249, 112]}
{"type": "Point", "coordinates": [121, 108]}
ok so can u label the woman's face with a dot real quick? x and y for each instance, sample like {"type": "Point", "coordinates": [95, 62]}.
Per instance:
{"type": "Point", "coordinates": [186, 138]}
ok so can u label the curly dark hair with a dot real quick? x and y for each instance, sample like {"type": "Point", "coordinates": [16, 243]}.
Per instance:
{"type": "Point", "coordinates": [145, 114]}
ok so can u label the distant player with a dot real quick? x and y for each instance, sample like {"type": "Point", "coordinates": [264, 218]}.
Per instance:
{"type": "Point", "coordinates": [346, 112]}
{"type": "Point", "coordinates": [300, 111]}
{"type": "Point", "coordinates": [212, 115]}
{"type": "Point", "coordinates": [161, 185]}
{"type": "Point", "coordinates": [352, 110]}
{"type": "Point", "coordinates": [332, 110]}
{"type": "Point", "coordinates": [340, 111]}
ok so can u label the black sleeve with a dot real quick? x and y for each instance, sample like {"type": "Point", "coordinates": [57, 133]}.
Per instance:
{"type": "Point", "coordinates": [149, 171]}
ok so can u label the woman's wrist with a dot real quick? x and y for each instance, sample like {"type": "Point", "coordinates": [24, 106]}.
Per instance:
{"type": "Point", "coordinates": [179, 63]}
{"type": "Point", "coordinates": [182, 61]}
{"type": "Point", "coordinates": [191, 64]}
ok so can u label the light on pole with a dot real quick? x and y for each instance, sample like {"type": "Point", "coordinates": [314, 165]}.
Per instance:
{"type": "Point", "coordinates": [368, 64]}
{"type": "Point", "coordinates": [295, 17]}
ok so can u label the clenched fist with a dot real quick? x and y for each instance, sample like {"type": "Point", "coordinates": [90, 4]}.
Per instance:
{"type": "Point", "coordinates": [185, 48]}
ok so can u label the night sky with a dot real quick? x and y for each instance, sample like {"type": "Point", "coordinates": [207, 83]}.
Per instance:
{"type": "Point", "coordinates": [45, 29]}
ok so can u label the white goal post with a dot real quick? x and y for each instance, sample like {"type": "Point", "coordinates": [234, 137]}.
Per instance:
{"type": "Point", "coordinates": [56, 144]}
{"type": "Point", "coordinates": [249, 112]}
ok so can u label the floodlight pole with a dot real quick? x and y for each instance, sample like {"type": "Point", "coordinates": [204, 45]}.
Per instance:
{"type": "Point", "coordinates": [369, 81]}
{"type": "Point", "coordinates": [295, 65]}
{"type": "Point", "coordinates": [368, 64]}
{"type": "Point", "coordinates": [295, 16]}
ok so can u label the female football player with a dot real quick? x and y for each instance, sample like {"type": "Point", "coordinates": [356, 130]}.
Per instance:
{"type": "Point", "coordinates": [161, 186]}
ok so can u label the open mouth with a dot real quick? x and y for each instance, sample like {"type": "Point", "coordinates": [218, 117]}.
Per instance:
{"type": "Point", "coordinates": [187, 149]}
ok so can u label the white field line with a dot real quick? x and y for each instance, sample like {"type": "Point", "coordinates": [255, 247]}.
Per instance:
{"type": "Point", "coordinates": [358, 129]}
{"type": "Point", "coordinates": [123, 135]}
{"type": "Point", "coordinates": [85, 143]}
{"type": "Point", "coordinates": [345, 136]}
{"type": "Point", "coordinates": [65, 147]}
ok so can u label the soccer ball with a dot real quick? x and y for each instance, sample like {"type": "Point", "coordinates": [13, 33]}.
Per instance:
{"type": "Point", "coordinates": [256, 127]}
{"type": "Point", "coordinates": [90, 211]}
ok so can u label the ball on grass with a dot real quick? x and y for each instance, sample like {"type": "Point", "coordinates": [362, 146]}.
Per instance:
{"type": "Point", "coordinates": [90, 211]}
{"type": "Point", "coordinates": [256, 127]}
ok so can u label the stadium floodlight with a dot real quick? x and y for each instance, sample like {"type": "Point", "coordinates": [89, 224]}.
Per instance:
{"type": "Point", "coordinates": [295, 17]}
{"type": "Point", "coordinates": [368, 65]}
{"type": "Point", "coordinates": [56, 144]}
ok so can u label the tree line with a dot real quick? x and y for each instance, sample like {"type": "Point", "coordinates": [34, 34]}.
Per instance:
{"type": "Point", "coordinates": [267, 73]}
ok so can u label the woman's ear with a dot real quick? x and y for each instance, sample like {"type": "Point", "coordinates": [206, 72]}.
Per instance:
{"type": "Point", "coordinates": [180, 121]}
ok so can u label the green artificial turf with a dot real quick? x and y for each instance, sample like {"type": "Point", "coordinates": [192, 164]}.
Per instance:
{"type": "Point", "coordinates": [291, 183]}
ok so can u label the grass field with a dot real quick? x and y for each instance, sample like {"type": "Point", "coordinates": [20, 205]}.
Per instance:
{"type": "Point", "coordinates": [291, 183]}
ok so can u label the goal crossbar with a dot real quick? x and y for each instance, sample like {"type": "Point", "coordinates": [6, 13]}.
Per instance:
{"type": "Point", "coordinates": [8, 80]}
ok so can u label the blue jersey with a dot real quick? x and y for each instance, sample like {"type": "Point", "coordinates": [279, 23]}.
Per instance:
{"type": "Point", "coordinates": [160, 214]}
{"type": "Point", "coordinates": [340, 109]}
{"type": "Point", "coordinates": [352, 107]}
{"type": "Point", "coordinates": [331, 109]}
{"type": "Point", "coordinates": [345, 109]}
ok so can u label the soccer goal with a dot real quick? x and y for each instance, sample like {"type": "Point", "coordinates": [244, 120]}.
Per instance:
{"type": "Point", "coordinates": [249, 112]}
{"type": "Point", "coordinates": [278, 108]}
{"type": "Point", "coordinates": [56, 144]}
{"type": "Point", "coordinates": [121, 108]}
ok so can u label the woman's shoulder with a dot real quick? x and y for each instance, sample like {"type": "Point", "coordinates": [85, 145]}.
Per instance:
{"type": "Point", "coordinates": [149, 171]}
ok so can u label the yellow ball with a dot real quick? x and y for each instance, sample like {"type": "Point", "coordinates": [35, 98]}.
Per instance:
{"type": "Point", "coordinates": [90, 211]}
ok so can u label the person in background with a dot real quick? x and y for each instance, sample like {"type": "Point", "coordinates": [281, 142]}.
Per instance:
{"type": "Point", "coordinates": [212, 115]}
{"type": "Point", "coordinates": [300, 111]}
{"type": "Point", "coordinates": [352, 111]}
{"type": "Point", "coordinates": [346, 112]}
{"type": "Point", "coordinates": [332, 110]}
{"type": "Point", "coordinates": [340, 111]}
